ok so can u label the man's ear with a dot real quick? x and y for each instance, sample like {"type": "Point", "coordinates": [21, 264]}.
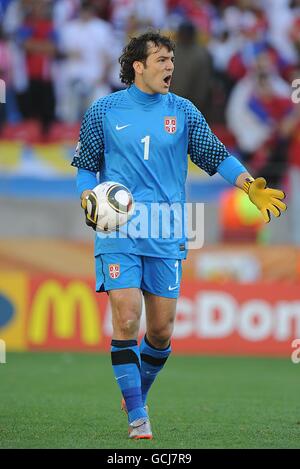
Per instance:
{"type": "Point", "coordinates": [138, 67]}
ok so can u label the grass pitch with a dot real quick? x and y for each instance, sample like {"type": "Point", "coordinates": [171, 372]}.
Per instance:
{"type": "Point", "coordinates": [71, 400]}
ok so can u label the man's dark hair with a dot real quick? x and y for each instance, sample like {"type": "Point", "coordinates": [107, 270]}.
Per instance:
{"type": "Point", "coordinates": [137, 49]}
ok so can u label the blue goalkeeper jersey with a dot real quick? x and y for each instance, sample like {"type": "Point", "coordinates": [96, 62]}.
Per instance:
{"type": "Point", "coordinates": [143, 141]}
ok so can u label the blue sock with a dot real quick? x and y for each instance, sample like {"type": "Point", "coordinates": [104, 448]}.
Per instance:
{"type": "Point", "coordinates": [126, 362]}
{"type": "Point", "coordinates": [152, 361]}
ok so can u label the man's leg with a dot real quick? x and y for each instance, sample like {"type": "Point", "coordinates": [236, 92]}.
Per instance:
{"type": "Point", "coordinates": [161, 284]}
{"type": "Point", "coordinates": [120, 275]}
{"type": "Point", "coordinates": [155, 346]}
{"type": "Point", "coordinates": [126, 312]}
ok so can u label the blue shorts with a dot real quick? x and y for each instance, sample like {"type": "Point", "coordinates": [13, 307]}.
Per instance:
{"type": "Point", "coordinates": [155, 275]}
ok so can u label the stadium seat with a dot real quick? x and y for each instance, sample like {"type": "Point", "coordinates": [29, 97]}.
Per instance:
{"type": "Point", "coordinates": [27, 132]}
{"type": "Point", "coordinates": [62, 132]}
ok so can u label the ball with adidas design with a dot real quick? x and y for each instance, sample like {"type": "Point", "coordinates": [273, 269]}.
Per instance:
{"type": "Point", "coordinates": [109, 206]}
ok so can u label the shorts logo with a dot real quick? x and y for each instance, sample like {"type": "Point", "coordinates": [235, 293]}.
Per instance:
{"type": "Point", "coordinates": [170, 125]}
{"type": "Point", "coordinates": [114, 270]}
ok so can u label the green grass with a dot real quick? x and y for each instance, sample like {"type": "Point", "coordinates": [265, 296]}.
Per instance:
{"type": "Point", "coordinates": [71, 400]}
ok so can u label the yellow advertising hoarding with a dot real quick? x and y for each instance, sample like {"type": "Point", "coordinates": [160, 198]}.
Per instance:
{"type": "Point", "coordinates": [13, 305]}
{"type": "Point", "coordinates": [64, 301]}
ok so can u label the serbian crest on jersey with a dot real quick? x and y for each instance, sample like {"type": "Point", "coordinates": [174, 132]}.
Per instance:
{"type": "Point", "coordinates": [114, 270]}
{"type": "Point", "coordinates": [170, 124]}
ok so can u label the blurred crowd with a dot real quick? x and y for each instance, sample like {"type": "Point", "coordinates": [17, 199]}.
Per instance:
{"type": "Point", "coordinates": [235, 59]}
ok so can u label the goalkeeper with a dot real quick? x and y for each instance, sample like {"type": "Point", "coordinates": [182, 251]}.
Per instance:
{"type": "Point", "coordinates": [140, 137]}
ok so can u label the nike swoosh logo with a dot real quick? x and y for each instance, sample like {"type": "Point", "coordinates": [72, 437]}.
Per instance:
{"type": "Point", "coordinates": [122, 126]}
{"type": "Point", "coordinates": [173, 288]}
{"type": "Point", "coordinates": [119, 377]}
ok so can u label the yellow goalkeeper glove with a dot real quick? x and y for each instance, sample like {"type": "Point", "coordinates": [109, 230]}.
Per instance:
{"type": "Point", "coordinates": [266, 200]}
{"type": "Point", "coordinates": [89, 203]}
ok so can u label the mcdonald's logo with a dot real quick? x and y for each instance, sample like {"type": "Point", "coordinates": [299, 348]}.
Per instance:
{"type": "Point", "coordinates": [64, 302]}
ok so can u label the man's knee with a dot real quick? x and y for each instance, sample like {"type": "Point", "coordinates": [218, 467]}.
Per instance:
{"type": "Point", "coordinates": [126, 312]}
{"type": "Point", "coordinates": [126, 318]}
{"type": "Point", "coordinates": [127, 324]}
{"type": "Point", "coordinates": [160, 337]}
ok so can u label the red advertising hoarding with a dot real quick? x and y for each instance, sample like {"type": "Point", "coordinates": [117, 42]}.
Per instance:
{"type": "Point", "coordinates": [58, 313]}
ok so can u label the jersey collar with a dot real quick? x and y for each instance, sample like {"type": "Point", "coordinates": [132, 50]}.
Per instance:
{"type": "Point", "coordinates": [143, 98]}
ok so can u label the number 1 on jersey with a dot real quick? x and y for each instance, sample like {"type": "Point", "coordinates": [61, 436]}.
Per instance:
{"type": "Point", "coordinates": [146, 141]}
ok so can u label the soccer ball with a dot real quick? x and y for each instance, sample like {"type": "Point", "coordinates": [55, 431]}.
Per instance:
{"type": "Point", "coordinates": [115, 206]}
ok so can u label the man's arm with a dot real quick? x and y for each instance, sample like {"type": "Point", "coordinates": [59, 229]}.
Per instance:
{"type": "Point", "coordinates": [86, 181]}
{"type": "Point", "coordinates": [207, 152]}
{"type": "Point", "coordinates": [88, 158]}
{"type": "Point", "coordinates": [243, 179]}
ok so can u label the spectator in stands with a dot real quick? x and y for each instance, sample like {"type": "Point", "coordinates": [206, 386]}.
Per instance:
{"type": "Point", "coordinates": [5, 74]}
{"type": "Point", "coordinates": [147, 14]}
{"type": "Point", "coordinates": [199, 12]}
{"type": "Point", "coordinates": [257, 110]}
{"type": "Point", "coordinates": [121, 11]}
{"type": "Point", "coordinates": [64, 11]}
{"type": "Point", "coordinates": [129, 17]}
{"type": "Point", "coordinates": [251, 40]}
{"type": "Point", "coordinates": [102, 8]}
{"type": "Point", "coordinates": [282, 16]}
{"type": "Point", "coordinates": [192, 77]}
{"type": "Point", "coordinates": [37, 37]}
{"type": "Point", "coordinates": [88, 47]}
{"type": "Point", "coordinates": [17, 93]}
{"type": "Point", "coordinates": [222, 47]}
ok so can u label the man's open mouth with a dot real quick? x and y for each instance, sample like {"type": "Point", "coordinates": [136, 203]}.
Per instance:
{"type": "Point", "coordinates": [167, 80]}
